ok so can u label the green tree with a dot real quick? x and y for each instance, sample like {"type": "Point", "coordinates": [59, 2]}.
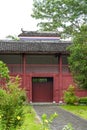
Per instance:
{"type": "Point", "coordinates": [14, 38]}
{"type": "Point", "coordinates": [65, 14]}
{"type": "Point", "coordinates": [4, 72]}
{"type": "Point", "coordinates": [78, 57]}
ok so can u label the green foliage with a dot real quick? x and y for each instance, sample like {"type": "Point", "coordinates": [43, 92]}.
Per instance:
{"type": "Point", "coordinates": [81, 36]}
{"type": "Point", "coordinates": [46, 121]}
{"type": "Point", "coordinates": [12, 99]}
{"type": "Point", "coordinates": [4, 72]}
{"type": "Point", "coordinates": [65, 14]}
{"type": "Point", "coordinates": [83, 100]}
{"type": "Point", "coordinates": [78, 57]}
{"type": "Point", "coordinates": [15, 38]}
{"type": "Point", "coordinates": [69, 95]}
{"type": "Point", "coordinates": [68, 127]}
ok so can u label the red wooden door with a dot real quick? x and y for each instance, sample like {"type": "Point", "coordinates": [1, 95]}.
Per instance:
{"type": "Point", "coordinates": [42, 91]}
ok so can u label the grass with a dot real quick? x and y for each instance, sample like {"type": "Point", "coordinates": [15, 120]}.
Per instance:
{"type": "Point", "coordinates": [80, 111]}
{"type": "Point", "coordinates": [31, 121]}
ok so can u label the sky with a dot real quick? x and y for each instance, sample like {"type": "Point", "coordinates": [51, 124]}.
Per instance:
{"type": "Point", "coordinates": [14, 15]}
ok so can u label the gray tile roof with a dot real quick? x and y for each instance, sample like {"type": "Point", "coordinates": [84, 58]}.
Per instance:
{"type": "Point", "coordinates": [38, 34]}
{"type": "Point", "coordinates": [33, 46]}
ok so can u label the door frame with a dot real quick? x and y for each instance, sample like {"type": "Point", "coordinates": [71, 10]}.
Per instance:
{"type": "Point", "coordinates": [43, 75]}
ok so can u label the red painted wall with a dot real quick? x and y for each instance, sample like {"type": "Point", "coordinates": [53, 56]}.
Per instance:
{"type": "Point", "coordinates": [59, 72]}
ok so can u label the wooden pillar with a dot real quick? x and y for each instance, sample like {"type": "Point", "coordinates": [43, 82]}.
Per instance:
{"type": "Point", "coordinates": [60, 77]}
{"type": "Point", "coordinates": [24, 69]}
{"type": "Point", "coordinates": [27, 80]}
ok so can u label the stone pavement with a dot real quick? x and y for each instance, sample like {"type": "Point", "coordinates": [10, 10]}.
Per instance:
{"type": "Point", "coordinates": [63, 118]}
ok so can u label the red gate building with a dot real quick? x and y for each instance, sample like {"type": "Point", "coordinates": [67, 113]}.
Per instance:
{"type": "Point", "coordinates": [40, 59]}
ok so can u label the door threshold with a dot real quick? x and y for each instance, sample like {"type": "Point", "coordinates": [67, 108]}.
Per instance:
{"type": "Point", "coordinates": [43, 103]}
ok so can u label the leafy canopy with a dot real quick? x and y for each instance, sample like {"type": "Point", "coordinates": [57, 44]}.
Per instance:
{"type": "Point", "coordinates": [78, 57]}
{"type": "Point", "coordinates": [65, 14]}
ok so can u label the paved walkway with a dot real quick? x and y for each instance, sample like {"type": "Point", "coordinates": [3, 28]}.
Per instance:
{"type": "Point", "coordinates": [63, 118]}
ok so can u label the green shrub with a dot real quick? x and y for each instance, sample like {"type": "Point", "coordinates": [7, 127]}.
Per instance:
{"type": "Point", "coordinates": [83, 100]}
{"type": "Point", "coordinates": [46, 121]}
{"type": "Point", "coordinates": [12, 99]}
{"type": "Point", "coordinates": [4, 72]}
{"type": "Point", "coordinates": [69, 95]}
{"type": "Point", "coordinates": [68, 127]}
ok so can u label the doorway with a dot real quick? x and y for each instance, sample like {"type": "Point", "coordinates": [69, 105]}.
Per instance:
{"type": "Point", "coordinates": [42, 89]}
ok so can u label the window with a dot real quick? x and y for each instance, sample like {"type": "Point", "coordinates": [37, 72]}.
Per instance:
{"type": "Point", "coordinates": [41, 59]}
{"type": "Point", "coordinates": [42, 79]}
{"type": "Point", "coordinates": [11, 59]}
{"type": "Point", "coordinates": [64, 59]}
